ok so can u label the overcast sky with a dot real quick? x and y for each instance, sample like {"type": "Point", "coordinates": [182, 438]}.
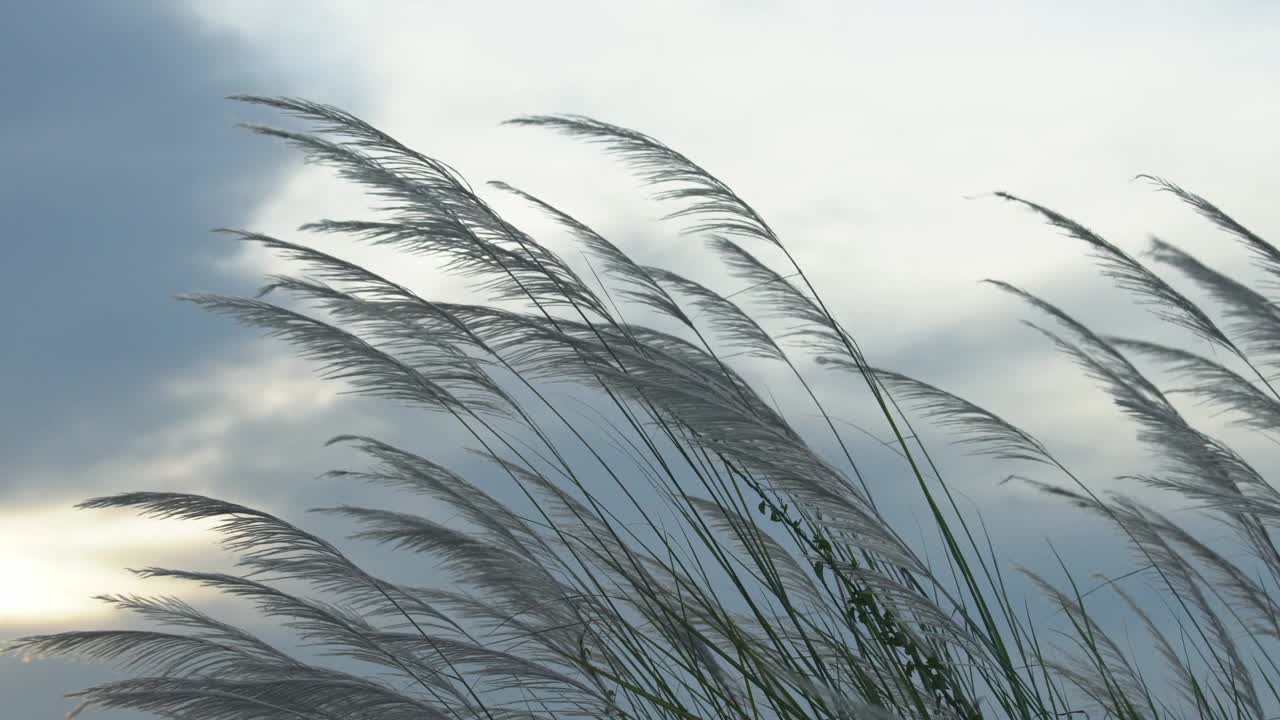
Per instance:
{"type": "Point", "coordinates": [860, 130]}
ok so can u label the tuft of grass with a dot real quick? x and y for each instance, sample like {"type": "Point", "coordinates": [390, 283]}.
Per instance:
{"type": "Point", "coordinates": [759, 579]}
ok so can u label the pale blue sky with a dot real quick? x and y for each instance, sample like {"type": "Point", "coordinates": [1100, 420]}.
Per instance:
{"type": "Point", "coordinates": [855, 128]}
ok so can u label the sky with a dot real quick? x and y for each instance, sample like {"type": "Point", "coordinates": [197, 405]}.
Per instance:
{"type": "Point", "coordinates": [865, 133]}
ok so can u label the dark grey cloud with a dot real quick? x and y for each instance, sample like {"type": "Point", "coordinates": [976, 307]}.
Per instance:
{"type": "Point", "coordinates": [120, 154]}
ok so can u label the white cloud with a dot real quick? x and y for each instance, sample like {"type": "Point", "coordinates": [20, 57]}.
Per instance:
{"type": "Point", "coordinates": [264, 386]}
{"type": "Point", "coordinates": [857, 129]}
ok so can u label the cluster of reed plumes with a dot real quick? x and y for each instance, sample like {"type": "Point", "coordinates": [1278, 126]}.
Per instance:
{"type": "Point", "coordinates": [781, 591]}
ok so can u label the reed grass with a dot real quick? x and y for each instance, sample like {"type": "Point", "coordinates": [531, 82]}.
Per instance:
{"type": "Point", "coordinates": [782, 591]}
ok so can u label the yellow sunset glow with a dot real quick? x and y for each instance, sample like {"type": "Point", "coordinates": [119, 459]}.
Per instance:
{"type": "Point", "coordinates": [54, 559]}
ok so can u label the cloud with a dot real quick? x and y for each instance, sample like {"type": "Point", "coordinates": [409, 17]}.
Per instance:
{"type": "Point", "coordinates": [856, 130]}
{"type": "Point", "coordinates": [859, 130]}
{"type": "Point", "coordinates": [866, 134]}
